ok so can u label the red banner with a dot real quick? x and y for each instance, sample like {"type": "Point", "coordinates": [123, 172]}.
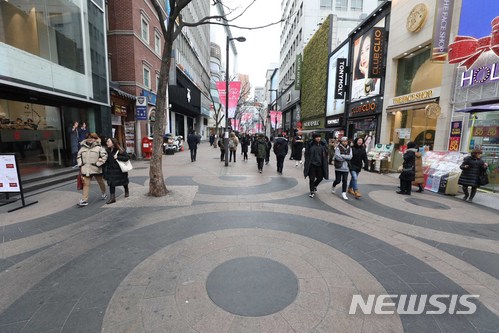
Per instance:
{"type": "Point", "coordinates": [486, 131]}
{"type": "Point", "coordinates": [275, 119]}
{"type": "Point", "coordinates": [234, 92]}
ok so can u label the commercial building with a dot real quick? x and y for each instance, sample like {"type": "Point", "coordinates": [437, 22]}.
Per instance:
{"type": "Point", "coordinates": [303, 19]}
{"type": "Point", "coordinates": [53, 72]}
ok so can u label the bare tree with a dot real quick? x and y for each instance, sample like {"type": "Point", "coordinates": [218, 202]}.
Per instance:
{"type": "Point", "coordinates": [171, 31]}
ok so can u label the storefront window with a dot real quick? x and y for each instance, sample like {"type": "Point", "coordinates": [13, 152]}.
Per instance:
{"type": "Point", "coordinates": [484, 129]}
{"type": "Point", "coordinates": [407, 70]}
{"type": "Point", "coordinates": [98, 53]}
{"type": "Point", "coordinates": [33, 132]}
{"type": "Point", "coordinates": [50, 29]}
{"type": "Point", "coordinates": [413, 125]}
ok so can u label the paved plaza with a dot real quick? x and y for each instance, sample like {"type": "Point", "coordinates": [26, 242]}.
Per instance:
{"type": "Point", "coordinates": [232, 250]}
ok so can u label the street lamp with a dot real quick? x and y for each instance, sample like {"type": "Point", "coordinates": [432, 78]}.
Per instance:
{"type": "Point", "coordinates": [226, 138]}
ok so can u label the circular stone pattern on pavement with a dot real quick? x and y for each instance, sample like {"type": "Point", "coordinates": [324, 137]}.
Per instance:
{"type": "Point", "coordinates": [252, 286]}
{"type": "Point", "coordinates": [427, 203]}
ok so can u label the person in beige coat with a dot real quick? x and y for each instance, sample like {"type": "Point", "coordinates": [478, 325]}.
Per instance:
{"type": "Point", "coordinates": [91, 157]}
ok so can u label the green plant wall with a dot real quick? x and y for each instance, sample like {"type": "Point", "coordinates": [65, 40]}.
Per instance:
{"type": "Point", "coordinates": [314, 74]}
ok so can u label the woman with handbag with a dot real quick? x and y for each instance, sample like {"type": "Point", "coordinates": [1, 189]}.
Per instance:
{"type": "Point", "coordinates": [113, 174]}
{"type": "Point", "coordinates": [408, 174]}
{"type": "Point", "coordinates": [474, 168]}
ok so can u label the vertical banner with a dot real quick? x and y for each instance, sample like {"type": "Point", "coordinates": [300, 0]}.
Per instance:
{"type": "Point", "coordinates": [234, 92]}
{"type": "Point", "coordinates": [298, 71]}
{"type": "Point", "coordinates": [276, 119]}
{"type": "Point", "coordinates": [235, 123]}
{"type": "Point", "coordinates": [339, 89]}
{"type": "Point", "coordinates": [455, 135]}
{"type": "Point", "coordinates": [441, 30]}
{"type": "Point", "coordinates": [377, 50]}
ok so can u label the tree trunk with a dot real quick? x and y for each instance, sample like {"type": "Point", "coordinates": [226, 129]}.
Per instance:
{"type": "Point", "coordinates": [157, 187]}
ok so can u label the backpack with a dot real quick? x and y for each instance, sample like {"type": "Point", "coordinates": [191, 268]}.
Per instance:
{"type": "Point", "coordinates": [232, 144]}
{"type": "Point", "coordinates": [262, 149]}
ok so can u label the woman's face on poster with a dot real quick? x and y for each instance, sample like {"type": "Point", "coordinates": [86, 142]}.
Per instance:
{"type": "Point", "coordinates": [364, 55]}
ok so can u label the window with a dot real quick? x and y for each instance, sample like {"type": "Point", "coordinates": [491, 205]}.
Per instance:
{"type": "Point", "coordinates": [157, 43]}
{"type": "Point", "coordinates": [341, 4]}
{"type": "Point", "coordinates": [407, 68]}
{"type": "Point", "coordinates": [356, 5]}
{"type": "Point", "coordinates": [144, 29]}
{"type": "Point", "coordinates": [157, 82]}
{"type": "Point", "coordinates": [147, 77]}
{"type": "Point", "coordinates": [326, 4]}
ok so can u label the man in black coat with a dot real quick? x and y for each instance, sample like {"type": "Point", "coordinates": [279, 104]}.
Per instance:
{"type": "Point", "coordinates": [408, 169]}
{"type": "Point", "coordinates": [193, 141]}
{"type": "Point", "coordinates": [316, 162]}
{"type": "Point", "coordinates": [280, 151]}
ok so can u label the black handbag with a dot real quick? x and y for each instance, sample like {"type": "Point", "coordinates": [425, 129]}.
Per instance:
{"type": "Point", "coordinates": [484, 179]}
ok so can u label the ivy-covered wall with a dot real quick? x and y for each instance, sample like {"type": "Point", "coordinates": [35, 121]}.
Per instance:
{"type": "Point", "coordinates": [314, 74]}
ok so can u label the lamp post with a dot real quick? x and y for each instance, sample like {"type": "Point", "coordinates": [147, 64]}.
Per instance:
{"type": "Point", "coordinates": [226, 136]}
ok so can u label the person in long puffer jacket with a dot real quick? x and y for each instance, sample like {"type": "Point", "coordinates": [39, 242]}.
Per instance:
{"type": "Point", "coordinates": [90, 158]}
{"type": "Point", "coordinates": [113, 174]}
{"type": "Point", "coordinates": [408, 174]}
{"type": "Point", "coordinates": [473, 166]}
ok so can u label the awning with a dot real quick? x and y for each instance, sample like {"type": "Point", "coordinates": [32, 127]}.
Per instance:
{"type": "Point", "coordinates": [412, 105]}
{"type": "Point", "coordinates": [122, 94]}
{"type": "Point", "coordinates": [480, 108]}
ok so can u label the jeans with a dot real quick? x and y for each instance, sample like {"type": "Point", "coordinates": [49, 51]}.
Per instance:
{"type": "Point", "coordinates": [341, 176]}
{"type": "Point", "coordinates": [353, 180]}
{"type": "Point", "coordinates": [232, 153]}
{"type": "Point", "coordinates": [315, 176]}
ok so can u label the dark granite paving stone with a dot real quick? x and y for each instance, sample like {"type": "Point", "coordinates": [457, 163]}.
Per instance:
{"type": "Point", "coordinates": [104, 267]}
{"type": "Point", "coordinates": [373, 265]}
{"type": "Point", "coordinates": [11, 261]}
{"type": "Point", "coordinates": [83, 321]}
{"type": "Point", "coordinates": [407, 274]}
{"type": "Point", "coordinates": [233, 178]}
{"type": "Point", "coordinates": [139, 180]}
{"type": "Point", "coordinates": [487, 231]}
{"type": "Point", "coordinates": [416, 264]}
{"type": "Point", "coordinates": [480, 259]}
{"type": "Point", "coordinates": [180, 181]}
{"type": "Point", "coordinates": [415, 324]}
{"type": "Point", "coordinates": [427, 203]}
{"type": "Point", "coordinates": [252, 286]}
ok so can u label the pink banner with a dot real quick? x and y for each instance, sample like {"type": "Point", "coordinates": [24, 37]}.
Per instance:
{"type": "Point", "coordinates": [275, 119]}
{"type": "Point", "coordinates": [235, 123]}
{"type": "Point", "coordinates": [234, 92]}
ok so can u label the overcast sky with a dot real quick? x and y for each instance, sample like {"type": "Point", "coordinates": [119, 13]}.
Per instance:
{"type": "Point", "coordinates": [262, 46]}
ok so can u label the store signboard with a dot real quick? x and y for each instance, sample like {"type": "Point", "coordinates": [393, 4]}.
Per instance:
{"type": "Point", "coordinates": [441, 30]}
{"type": "Point", "coordinates": [337, 81]}
{"type": "Point", "coordinates": [368, 63]}
{"type": "Point", "coordinates": [141, 108]}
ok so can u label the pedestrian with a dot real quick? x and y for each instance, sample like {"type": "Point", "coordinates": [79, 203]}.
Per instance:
{"type": "Point", "coordinates": [212, 139]}
{"type": "Point", "coordinates": [233, 142]}
{"type": "Point", "coordinates": [83, 132]}
{"type": "Point", "coordinates": [74, 139]}
{"type": "Point", "coordinates": [193, 142]}
{"type": "Point", "coordinates": [297, 150]}
{"type": "Point", "coordinates": [280, 151]}
{"type": "Point", "coordinates": [408, 174]}
{"type": "Point", "coordinates": [112, 171]}
{"type": "Point", "coordinates": [221, 145]}
{"type": "Point", "coordinates": [472, 168]}
{"type": "Point", "coordinates": [245, 142]}
{"type": "Point", "coordinates": [267, 150]}
{"type": "Point", "coordinates": [358, 161]}
{"type": "Point", "coordinates": [332, 148]}
{"type": "Point", "coordinates": [419, 178]}
{"type": "Point", "coordinates": [91, 157]}
{"type": "Point", "coordinates": [342, 157]}
{"type": "Point", "coordinates": [316, 167]}
{"type": "Point", "coordinates": [260, 147]}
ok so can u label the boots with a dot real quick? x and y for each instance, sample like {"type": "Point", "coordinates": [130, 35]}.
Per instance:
{"type": "Point", "coordinates": [127, 194]}
{"type": "Point", "coordinates": [472, 195]}
{"type": "Point", "coordinates": [112, 199]}
{"type": "Point", "coordinates": [357, 194]}
{"type": "Point", "coordinates": [466, 193]}
{"type": "Point", "coordinates": [420, 188]}
{"type": "Point", "coordinates": [351, 191]}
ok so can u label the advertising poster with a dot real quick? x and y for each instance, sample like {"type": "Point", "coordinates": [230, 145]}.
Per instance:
{"type": "Point", "coordinates": [455, 135]}
{"type": "Point", "coordinates": [9, 179]}
{"type": "Point", "coordinates": [234, 92]}
{"type": "Point", "coordinates": [367, 60]}
{"type": "Point", "coordinates": [336, 81]}
{"type": "Point", "coordinates": [275, 119]}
